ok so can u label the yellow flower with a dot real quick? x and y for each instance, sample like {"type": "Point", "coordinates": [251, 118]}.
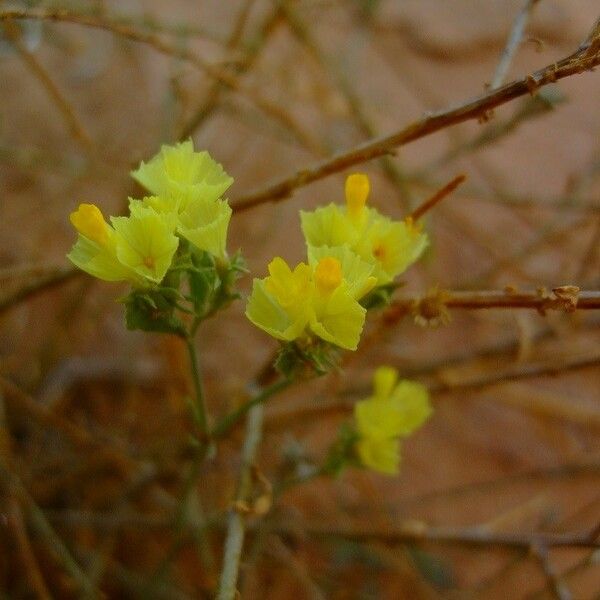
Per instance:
{"type": "Point", "coordinates": [389, 246]}
{"type": "Point", "coordinates": [314, 298]}
{"type": "Point", "coordinates": [138, 249]}
{"type": "Point", "coordinates": [356, 272]}
{"type": "Point", "coordinates": [280, 303]}
{"type": "Point", "coordinates": [205, 223]}
{"type": "Point", "coordinates": [178, 175]}
{"type": "Point", "coordinates": [381, 455]}
{"type": "Point", "coordinates": [146, 243]}
{"type": "Point", "coordinates": [188, 185]}
{"type": "Point", "coordinates": [395, 410]}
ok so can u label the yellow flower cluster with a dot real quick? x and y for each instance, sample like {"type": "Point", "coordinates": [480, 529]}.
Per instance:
{"type": "Point", "coordinates": [186, 202]}
{"type": "Point", "coordinates": [394, 411]}
{"type": "Point", "coordinates": [351, 249]}
{"type": "Point", "coordinates": [389, 246]}
{"type": "Point", "coordinates": [321, 297]}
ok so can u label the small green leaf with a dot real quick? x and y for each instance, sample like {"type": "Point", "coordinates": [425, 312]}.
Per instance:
{"type": "Point", "coordinates": [152, 310]}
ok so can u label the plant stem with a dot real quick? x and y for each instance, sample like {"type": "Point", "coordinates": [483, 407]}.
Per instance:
{"type": "Point", "coordinates": [236, 526]}
{"type": "Point", "coordinates": [228, 421]}
{"type": "Point", "coordinates": [199, 412]}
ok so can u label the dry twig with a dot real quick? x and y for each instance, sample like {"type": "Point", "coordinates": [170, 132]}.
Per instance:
{"type": "Point", "coordinates": [585, 58]}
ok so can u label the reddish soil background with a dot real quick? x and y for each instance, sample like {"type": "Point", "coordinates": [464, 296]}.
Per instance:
{"type": "Point", "coordinates": [503, 455]}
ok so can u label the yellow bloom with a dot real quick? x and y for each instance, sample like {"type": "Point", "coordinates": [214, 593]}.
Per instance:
{"type": "Point", "coordinates": [178, 175]}
{"type": "Point", "coordinates": [138, 248]}
{"type": "Point", "coordinates": [188, 185]}
{"type": "Point", "coordinates": [395, 410]}
{"type": "Point", "coordinates": [205, 223]}
{"type": "Point", "coordinates": [389, 246]}
{"type": "Point", "coordinates": [95, 249]}
{"type": "Point", "coordinates": [280, 304]}
{"type": "Point", "coordinates": [356, 272]}
{"type": "Point", "coordinates": [146, 243]}
{"type": "Point", "coordinates": [381, 455]}
{"type": "Point", "coordinates": [313, 298]}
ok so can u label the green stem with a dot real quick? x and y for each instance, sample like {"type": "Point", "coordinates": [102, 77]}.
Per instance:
{"type": "Point", "coordinates": [228, 421]}
{"type": "Point", "coordinates": [200, 413]}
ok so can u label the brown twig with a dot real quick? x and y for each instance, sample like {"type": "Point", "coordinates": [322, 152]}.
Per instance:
{"type": "Point", "coordinates": [417, 531]}
{"type": "Point", "coordinates": [15, 518]}
{"type": "Point", "coordinates": [431, 306]}
{"type": "Point", "coordinates": [514, 41]}
{"type": "Point", "coordinates": [53, 91]}
{"type": "Point", "coordinates": [585, 58]}
{"type": "Point", "coordinates": [426, 206]}
{"type": "Point", "coordinates": [211, 99]}
{"type": "Point", "coordinates": [48, 281]}
{"type": "Point", "coordinates": [561, 592]}
{"type": "Point", "coordinates": [227, 79]}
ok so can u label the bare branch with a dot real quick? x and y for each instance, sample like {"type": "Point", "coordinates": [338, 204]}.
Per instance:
{"type": "Point", "coordinates": [513, 42]}
{"type": "Point", "coordinates": [277, 113]}
{"type": "Point", "coordinates": [418, 531]}
{"type": "Point", "coordinates": [53, 91]}
{"type": "Point", "coordinates": [585, 58]}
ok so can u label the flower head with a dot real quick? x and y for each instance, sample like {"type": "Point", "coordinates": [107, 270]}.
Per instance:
{"type": "Point", "coordinates": [389, 246]}
{"type": "Point", "coordinates": [319, 298]}
{"type": "Point", "coordinates": [395, 410]}
{"type": "Point", "coordinates": [188, 185]}
{"type": "Point", "coordinates": [138, 248]}
{"type": "Point", "coordinates": [178, 175]}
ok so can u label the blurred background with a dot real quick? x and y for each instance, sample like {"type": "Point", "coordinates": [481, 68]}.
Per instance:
{"type": "Point", "coordinates": [94, 434]}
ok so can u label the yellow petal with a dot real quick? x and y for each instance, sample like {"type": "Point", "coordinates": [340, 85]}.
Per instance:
{"type": "Point", "coordinates": [146, 243]}
{"type": "Point", "coordinates": [328, 226]}
{"type": "Point", "coordinates": [411, 400]}
{"type": "Point", "coordinates": [328, 274]}
{"type": "Point", "coordinates": [89, 222]}
{"type": "Point", "coordinates": [381, 455]}
{"type": "Point", "coordinates": [205, 224]}
{"type": "Point", "coordinates": [338, 318]}
{"type": "Point", "coordinates": [177, 172]}
{"type": "Point", "coordinates": [384, 381]}
{"type": "Point", "coordinates": [266, 312]}
{"type": "Point", "coordinates": [357, 192]}
{"type": "Point", "coordinates": [355, 271]}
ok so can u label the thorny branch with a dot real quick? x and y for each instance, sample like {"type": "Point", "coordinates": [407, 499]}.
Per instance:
{"type": "Point", "coordinates": [585, 58]}
{"type": "Point", "coordinates": [433, 307]}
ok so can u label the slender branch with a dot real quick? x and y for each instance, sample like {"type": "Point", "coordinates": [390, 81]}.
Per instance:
{"type": "Point", "coordinates": [42, 526]}
{"type": "Point", "coordinates": [48, 281]}
{"type": "Point", "coordinates": [474, 536]}
{"type": "Point", "coordinates": [554, 581]}
{"type": "Point", "coordinates": [514, 41]}
{"type": "Point", "coordinates": [236, 526]}
{"type": "Point", "coordinates": [276, 112]}
{"type": "Point", "coordinates": [565, 298]}
{"type": "Point", "coordinates": [229, 421]}
{"type": "Point", "coordinates": [585, 58]}
{"type": "Point", "coordinates": [416, 214]}
{"type": "Point", "coordinates": [199, 411]}
{"type": "Point", "coordinates": [67, 111]}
